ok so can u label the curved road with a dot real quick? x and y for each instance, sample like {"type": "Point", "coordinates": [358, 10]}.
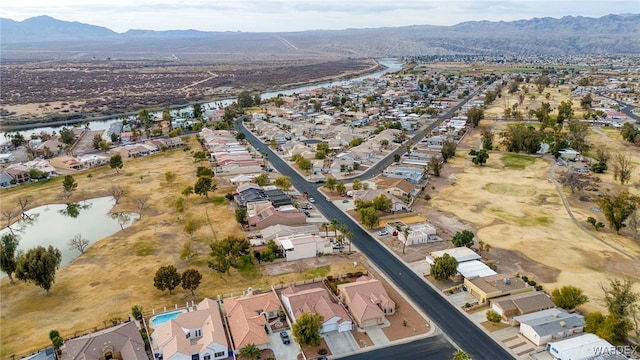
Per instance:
{"type": "Point", "coordinates": [451, 320]}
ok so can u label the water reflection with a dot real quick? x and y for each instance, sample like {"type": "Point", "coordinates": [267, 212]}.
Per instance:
{"type": "Point", "coordinates": [57, 224]}
{"type": "Point", "coordinates": [73, 209]}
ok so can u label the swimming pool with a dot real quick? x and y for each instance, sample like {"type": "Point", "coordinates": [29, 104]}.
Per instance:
{"type": "Point", "coordinates": [163, 318]}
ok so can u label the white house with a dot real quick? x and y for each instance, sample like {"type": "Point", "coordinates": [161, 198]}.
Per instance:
{"type": "Point", "coordinates": [583, 347]}
{"type": "Point", "coordinates": [198, 334]}
{"type": "Point", "coordinates": [303, 246]}
{"type": "Point", "coordinates": [316, 300]}
{"type": "Point", "coordinates": [552, 324]}
{"type": "Point", "coordinates": [461, 254]}
{"type": "Point", "coordinates": [418, 234]}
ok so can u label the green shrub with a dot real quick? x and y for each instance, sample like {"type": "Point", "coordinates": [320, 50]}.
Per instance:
{"type": "Point", "coordinates": [322, 351]}
{"type": "Point", "coordinates": [493, 316]}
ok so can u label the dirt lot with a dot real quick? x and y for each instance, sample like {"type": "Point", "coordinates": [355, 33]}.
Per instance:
{"type": "Point", "coordinates": [102, 88]}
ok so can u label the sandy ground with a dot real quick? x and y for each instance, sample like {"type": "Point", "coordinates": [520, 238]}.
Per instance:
{"type": "Point", "coordinates": [521, 215]}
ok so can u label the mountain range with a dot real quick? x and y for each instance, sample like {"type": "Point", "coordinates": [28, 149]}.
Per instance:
{"type": "Point", "coordinates": [569, 35]}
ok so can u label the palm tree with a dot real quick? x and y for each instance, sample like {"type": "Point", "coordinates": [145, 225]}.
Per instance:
{"type": "Point", "coordinates": [405, 232]}
{"type": "Point", "coordinates": [349, 235]}
{"type": "Point", "coordinates": [325, 226]}
{"type": "Point", "coordinates": [334, 227]}
{"type": "Point", "coordinates": [249, 352]}
{"type": "Point", "coordinates": [460, 355]}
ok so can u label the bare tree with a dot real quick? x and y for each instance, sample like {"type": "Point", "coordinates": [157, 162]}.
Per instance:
{"type": "Point", "coordinates": [141, 202]}
{"type": "Point", "coordinates": [622, 167]}
{"type": "Point", "coordinates": [117, 192]}
{"type": "Point", "coordinates": [78, 243]}
{"type": "Point", "coordinates": [573, 180]}
{"type": "Point", "coordinates": [9, 215]}
{"type": "Point", "coordinates": [24, 202]}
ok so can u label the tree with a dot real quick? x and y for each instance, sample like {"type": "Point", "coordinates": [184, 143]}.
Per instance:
{"type": "Point", "coordinates": [188, 190]}
{"type": "Point", "coordinates": [69, 184]}
{"type": "Point", "coordinates": [96, 141]}
{"type": "Point", "coordinates": [597, 225]}
{"type": "Point", "coordinates": [577, 134]}
{"type": "Point", "coordinates": [67, 136]}
{"type": "Point", "coordinates": [187, 252]}
{"type": "Point", "coordinates": [617, 208]}
{"type": "Point", "coordinates": [136, 312]}
{"type": "Point", "coordinates": [191, 280]}
{"type": "Point", "coordinates": [565, 111]}
{"type": "Point", "coordinates": [39, 266]}
{"type": "Point", "coordinates": [197, 111]}
{"type": "Point", "coordinates": [614, 329]}
{"type": "Point", "coordinates": [568, 297]}
{"type": "Point", "coordinates": [622, 167]}
{"type": "Point", "coordinates": [262, 179]}
{"type": "Point", "coordinates": [460, 355]}
{"type": "Point", "coordinates": [592, 321]}
{"type": "Point", "coordinates": [493, 316]}
{"type": "Point", "coordinates": [382, 203]}
{"type": "Point", "coordinates": [444, 267]}
{"type": "Point", "coordinates": [448, 150]}
{"type": "Point", "coordinates": [306, 329]}
{"type": "Point", "coordinates": [463, 238]}
{"type": "Point", "coordinates": [8, 254]}
{"type": "Point", "coordinates": [250, 351]}
{"type": "Point", "coordinates": [224, 253]}
{"type": "Point", "coordinates": [481, 157]}
{"type": "Point", "coordinates": [204, 171]}
{"type": "Point", "coordinates": [167, 278]}
{"type": "Point", "coordinates": [474, 115]}
{"type": "Point", "coordinates": [241, 216]}
{"type": "Point", "coordinates": [357, 184]}
{"type": "Point", "coordinates": [203, 185]}
{"type": "Point", "coordinates": [396, 157]}
{"type": "Point", "coordinates": [117, 192]}
{"type": "Point", "coordinates": [56, 340]}
{"type": "Point", "coordinates": [368, 216]}
{"type": "Point", "coordinates": [487, 138]}
{"type": "Point", "coordinates": [199, 156]}
{"type": "Point", "coordinates": [283, 182]}
{"type": "Point", "coordinates": [78, 243]}
{"type": "Point", "coordinates": [115, 162]}
{"type": "Point", "coordinates": [573, 180]}
{"type": "Point", "coordinates": [435, 165]}
{"type": "Point", "coordinates": [331, 183]}
{"type": "Point", "coordinates": [341, 188]}
{"type": "Point", "coordinates": [620, 298]}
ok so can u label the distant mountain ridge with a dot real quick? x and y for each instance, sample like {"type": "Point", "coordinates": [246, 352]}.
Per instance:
{"type": "Point", "coordinates": [569, 35]}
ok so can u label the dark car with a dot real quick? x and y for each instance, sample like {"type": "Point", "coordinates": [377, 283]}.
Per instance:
{"type": "Point", "coordinates": [285, 338]}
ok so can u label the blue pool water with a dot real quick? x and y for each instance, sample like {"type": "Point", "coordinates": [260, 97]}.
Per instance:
{"type": "Point", "coordinates": [161, 319]}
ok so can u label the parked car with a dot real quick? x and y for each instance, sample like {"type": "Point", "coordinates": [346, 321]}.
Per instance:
{"type": "Point", "coordinates": [337, 246]}
{"type": "Point", "coordinates": [312, 200]}
{"type": "Point", "coordinates": [285, 338]}
{"type": "Point", "coordinates": [383, 233]}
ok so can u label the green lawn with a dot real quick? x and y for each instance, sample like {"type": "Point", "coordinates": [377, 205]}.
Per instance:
{"type": "Point", "coordinates": [517, 161]}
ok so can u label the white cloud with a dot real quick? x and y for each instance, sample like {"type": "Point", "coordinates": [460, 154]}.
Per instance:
{"type": "Point", "coordinates": [295, 15]}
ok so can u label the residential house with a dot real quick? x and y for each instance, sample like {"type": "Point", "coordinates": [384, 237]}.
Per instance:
{"type": "Point", "coordinates": [279, 230]}
{"type": "Point", "coordinates": [474, 268]}
{"type": "Point", "coordinates": [5, 179]}
{"type": "Point", "coordinates": [552, 324]}
{"type": "Point", "coordinates": [461, 254]}
{"type": "Point", "coordinates": [122, 342]}
{"type": "Point", "coordinates": [197, 334]}
{"type": "Point", "coordinates": [316, 300]}
{"type": "Point", "coordinates": [367, 301]}
{"type": "Point", "coordinates": [489, 287]}
{"type": "Point", "coordinates": [413, 174]}
{"type": "Point", "coordinates": [584, 347]}
{"type": "Point", "coordinates": [248, 318]}
{"type": "Point", "coordinates": [6, 158]}
{"type": "Point", "coordinates": [369, 195]}
{"type": "Point", "coordinates": [269, 216]}
{"type": "Point", "coordinates": [20, 176]}
{"type": "Point", "coordinates": [418, 234]}
{"type": "Point", "coordinates": [521, 304]}
{"type": "Point", "coordinates": [303, 246]}
{"type": "Point", "coordinates": [398, 187]}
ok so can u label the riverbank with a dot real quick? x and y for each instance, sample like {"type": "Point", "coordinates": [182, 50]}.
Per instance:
{"type": "Point", "coordinates": [31, 124]}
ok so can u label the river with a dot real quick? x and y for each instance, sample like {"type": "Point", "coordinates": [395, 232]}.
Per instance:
{"type": "Point", "coordinates": [392, 65]}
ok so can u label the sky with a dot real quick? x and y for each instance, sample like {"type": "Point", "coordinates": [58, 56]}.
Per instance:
{"type": "Point", "coordinates": [299, 15]}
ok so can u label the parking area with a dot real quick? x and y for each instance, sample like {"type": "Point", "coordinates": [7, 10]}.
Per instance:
{"type": "Point", "coordinates": [282, 351]}
{"type": "Point", "coordinates": [341, 343]}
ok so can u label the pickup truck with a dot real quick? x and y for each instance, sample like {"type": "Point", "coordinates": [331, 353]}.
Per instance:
{"type": "Point", "coordinates": [285, 338]}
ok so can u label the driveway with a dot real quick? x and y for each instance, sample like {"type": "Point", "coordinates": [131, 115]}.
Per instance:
{"type": "Point", "coordinates": [341, 343]}
{"type": "Point", "coordinates": [377, 336]}
{"type": "Point", "coordinates": [282, 351]}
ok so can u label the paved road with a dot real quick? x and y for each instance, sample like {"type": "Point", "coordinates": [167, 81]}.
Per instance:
{"type": "Point", "coordinates": [450, 319]}
{"type": "Point", "coordinates": [432, 348]}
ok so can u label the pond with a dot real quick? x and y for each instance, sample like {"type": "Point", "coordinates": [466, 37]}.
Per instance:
{"type": "Point", "coordinates": [56, 224]}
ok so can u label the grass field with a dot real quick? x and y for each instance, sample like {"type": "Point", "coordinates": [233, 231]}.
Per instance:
{"type": "Point", "coordinates": [512, 205]}
{"type": "Point", "coordinates": [117, 272]}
